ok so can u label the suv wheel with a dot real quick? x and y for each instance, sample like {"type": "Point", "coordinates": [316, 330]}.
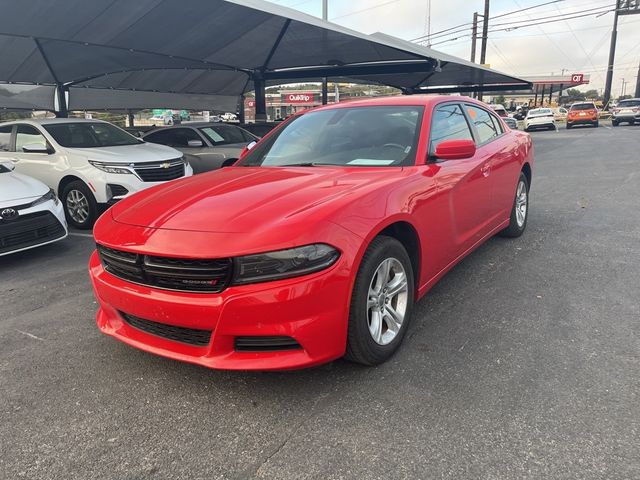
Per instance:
{"type": "Point", "coordinates": [80, 206]}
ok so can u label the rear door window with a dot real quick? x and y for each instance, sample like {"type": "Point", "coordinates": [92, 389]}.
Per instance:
{"type": "Point", "coordinates": [485, 126]}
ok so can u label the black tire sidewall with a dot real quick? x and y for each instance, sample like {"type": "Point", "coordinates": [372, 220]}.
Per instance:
{"type": "Point", "coordinates": [361, 347]}
{"type": "Point", "coordinates": [93, 205]}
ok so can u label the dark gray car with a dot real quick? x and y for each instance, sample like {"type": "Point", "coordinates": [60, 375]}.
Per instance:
{"type": "Point", "coordinates": [207, 146]}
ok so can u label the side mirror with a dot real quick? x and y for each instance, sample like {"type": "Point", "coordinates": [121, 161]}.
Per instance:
{"type": "Point", "coordinates": [455, 149]}
{"type": "Point", "coordinates": [35, 148]}
{"type": "Point", "coordinates": [248, 148]}
{"type": "Point", "coordinates": [8, 165]}
{"type": "Point", "coordinates": [195, 144]}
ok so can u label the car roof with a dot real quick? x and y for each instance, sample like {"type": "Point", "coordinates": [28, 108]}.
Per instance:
{"type": "Point", "coordinates": [50, 121]}
{"type": "Point", "coordinates": [402, 100]}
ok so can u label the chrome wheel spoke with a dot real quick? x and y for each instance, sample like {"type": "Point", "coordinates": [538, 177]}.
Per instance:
{"type": "Point", "coordinates": [387, 301]}
{"type": "Point", "coordinates": [375, 327]}
{"type": "Point", "coordinates": [397, 285]}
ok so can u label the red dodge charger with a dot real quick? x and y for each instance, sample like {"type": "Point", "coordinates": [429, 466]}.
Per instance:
{"type": "Point", "coordinates": [317, 243]}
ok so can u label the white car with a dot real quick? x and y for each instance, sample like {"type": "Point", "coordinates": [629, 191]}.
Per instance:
{"type": "Point", "coordinates": [30, 213]}
{"type": "Point", "coordinates": [539, 118]}
{"type": "Point", "coordinates": [90, 164]}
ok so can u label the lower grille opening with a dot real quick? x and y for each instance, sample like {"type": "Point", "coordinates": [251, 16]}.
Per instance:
{"type": "Point", "coordinates": [29, 230]}
{"type": "Point", "coordinates": [117, 190]}
{"type": "Point", "coordinates": [265, 344]}
{"type": "Point", "coordinates": [190, 336]}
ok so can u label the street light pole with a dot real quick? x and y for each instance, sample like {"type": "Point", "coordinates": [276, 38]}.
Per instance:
{"type": "Point", "coordinates": [485, 34]}
{"type": "Point", "coordinates": [612, 56]}
{"type": "Point", "coordinates": [638, 83]}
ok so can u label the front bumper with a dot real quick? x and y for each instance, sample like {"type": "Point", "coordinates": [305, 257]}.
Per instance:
{"type": "Point", "coordinates": [312, 310]}
{"type": "Point", "coordinates": [35, 227]}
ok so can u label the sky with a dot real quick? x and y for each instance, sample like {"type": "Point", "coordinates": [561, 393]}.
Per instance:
{"type": "Point", "coordinates": [579, 45]}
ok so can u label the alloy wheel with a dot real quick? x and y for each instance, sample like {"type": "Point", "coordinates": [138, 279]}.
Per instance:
{"type": "Point", "coordinates": [521, 203]}
{"type": "Point", "coordinates": [77, 206]}
{"type": "Point", "coordinates": [387, 301]}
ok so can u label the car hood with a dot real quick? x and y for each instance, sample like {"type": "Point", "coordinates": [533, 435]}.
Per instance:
{"type": "Point", "coordinates": [142, 152]}
{"type": "Point", "coordinates": [15, 187]}
{"type": "Point", "coordinates": [250, 199]}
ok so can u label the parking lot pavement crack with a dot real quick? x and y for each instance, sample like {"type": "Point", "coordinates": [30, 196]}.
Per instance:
{"type": "Point", "coordinates": [307, 417]}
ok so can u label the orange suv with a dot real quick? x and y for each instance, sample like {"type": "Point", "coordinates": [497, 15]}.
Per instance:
{"type": "Point", "coordinates": [582, 113]}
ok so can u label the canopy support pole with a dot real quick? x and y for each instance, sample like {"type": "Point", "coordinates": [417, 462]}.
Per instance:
{"type": "Point", "coordinates": [261, 98]}
{"type": "Point", "coordinates": [241, 109]}
{"type": "Point", "coordinates": [61, 89]}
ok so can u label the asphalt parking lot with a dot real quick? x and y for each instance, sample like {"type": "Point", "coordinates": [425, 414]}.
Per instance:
{"type": "Point", "coordinates": [523, 362]}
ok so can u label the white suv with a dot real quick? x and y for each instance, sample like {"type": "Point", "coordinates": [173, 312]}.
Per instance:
{"type": "Point", "coordinates": [90, 164]}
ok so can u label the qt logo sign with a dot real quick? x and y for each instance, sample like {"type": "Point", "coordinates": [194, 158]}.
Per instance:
{"type": "Point", "coordinates": [577, 78]}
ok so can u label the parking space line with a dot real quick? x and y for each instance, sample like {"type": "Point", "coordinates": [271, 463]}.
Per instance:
{"type": "Point", "coordinates": [88, 235]}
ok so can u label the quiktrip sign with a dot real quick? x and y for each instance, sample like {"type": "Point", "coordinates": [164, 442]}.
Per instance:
{"type": "Point", "coordinates": [298, 97]}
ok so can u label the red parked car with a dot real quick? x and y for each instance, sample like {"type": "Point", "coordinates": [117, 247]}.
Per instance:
{"type": "Point", "coordinates": [318, 242]}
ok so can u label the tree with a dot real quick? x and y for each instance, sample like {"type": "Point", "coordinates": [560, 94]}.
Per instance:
{"type": "Point", "coordinates": [574, 95]}
{"type": "Point", "coordinates": [592, 94]}
{"type": "Point", "coordinates": [499, 100]}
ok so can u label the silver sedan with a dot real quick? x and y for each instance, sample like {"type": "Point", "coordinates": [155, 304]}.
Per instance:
{"type": "Point", "coordinates": [206, 146]}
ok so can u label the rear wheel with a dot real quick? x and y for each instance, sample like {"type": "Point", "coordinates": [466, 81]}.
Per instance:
{"type": "Point", "coordinates": [614, 123]}
{"type": "Point", "coordinates": [520, 210]}
{"type": "Point", "coordinates": [597, 124]}
{"type": "Point", "coordinates": [569, 126]}
{"type": "Point", "coordinates": [381, 302]}
{"type": "Point", "coordinates": [80, 206]}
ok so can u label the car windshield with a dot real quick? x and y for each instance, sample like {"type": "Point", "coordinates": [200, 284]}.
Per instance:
{"type": "Point", "coordinates": [225, 134]}
{"type": "Point", "coordinates": [89, 135]}
{"type": "Point", "coordinates": [539, 111]}
{"type": "Point", "coordinates": [629, 103]}
{"type": "Point", "coordinates": [351, 136]}
{"type": "Point", "coordinates": [4, 169]}
{"type": "Point", "coordinates": [583, 106]}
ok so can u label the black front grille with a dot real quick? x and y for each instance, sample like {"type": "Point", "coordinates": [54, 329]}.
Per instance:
{"type": "Point", "coordinates": [29, 230]}
{"type": "Point", "coordinates": [186, 275]}
{"type": "Point", "coordinates": [191, 336]}
{"type": "Point", "coordinates": [265, 344]}
{"type": "Point", "coordinates": [160, 172]}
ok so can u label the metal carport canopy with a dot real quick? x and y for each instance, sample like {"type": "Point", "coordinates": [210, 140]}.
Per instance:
{"type": "Point", "coordinates": [209, 47]}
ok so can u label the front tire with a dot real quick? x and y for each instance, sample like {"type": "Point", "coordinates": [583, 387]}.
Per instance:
{"type": "Point", "coordinates": [569, 126]}
{"type": "Point", "coordinates": [520, 210]}
{"type": "Point", "coordinates": [614, 123]}
{"type": "Point", "coordinates": [381, 302]}
{"type": "Point", "coordinates": [80, 206]}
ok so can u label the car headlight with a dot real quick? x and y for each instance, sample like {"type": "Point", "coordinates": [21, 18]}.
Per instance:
{"type": "Point", "coordinates": [110, 168]}
{"type": "Point", "coordinates": [50, 195]}
{"type": "Point", "coordinates": [264, 267]}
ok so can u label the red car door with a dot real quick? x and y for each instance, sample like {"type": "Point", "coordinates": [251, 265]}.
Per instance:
{"type": "Point", "coordinates": [466, 184]}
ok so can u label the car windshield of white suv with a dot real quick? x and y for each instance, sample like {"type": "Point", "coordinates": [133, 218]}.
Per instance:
{"type": "Point", "coordinates": [89, 135]}
{"type": "Point", "coordinates": [351, 136]}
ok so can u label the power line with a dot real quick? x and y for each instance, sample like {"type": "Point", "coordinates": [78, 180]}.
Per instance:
{"type": "Point", "coordinates": [491, 18]}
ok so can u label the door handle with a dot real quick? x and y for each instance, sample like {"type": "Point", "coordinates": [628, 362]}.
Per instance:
{"type": "Point", "coordinates": [486, 169]}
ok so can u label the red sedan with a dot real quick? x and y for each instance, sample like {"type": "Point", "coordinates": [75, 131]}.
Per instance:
{"type": "Point", "coordinates": [318, 242]}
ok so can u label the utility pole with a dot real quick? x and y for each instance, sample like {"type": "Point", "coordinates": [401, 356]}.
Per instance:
{"type": "Point", "coordinates": [624, 88]}
{"type": "Point", "coordinates": [474, 37]}
{"type": "Point", "coordinates": [612, 56]}
{"type": "Point", "coordinates": [485, 34]}
{"type": "Point", "coordinates": [325, 83]}
{"type": "Point", "coordinates": [637, 95]}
